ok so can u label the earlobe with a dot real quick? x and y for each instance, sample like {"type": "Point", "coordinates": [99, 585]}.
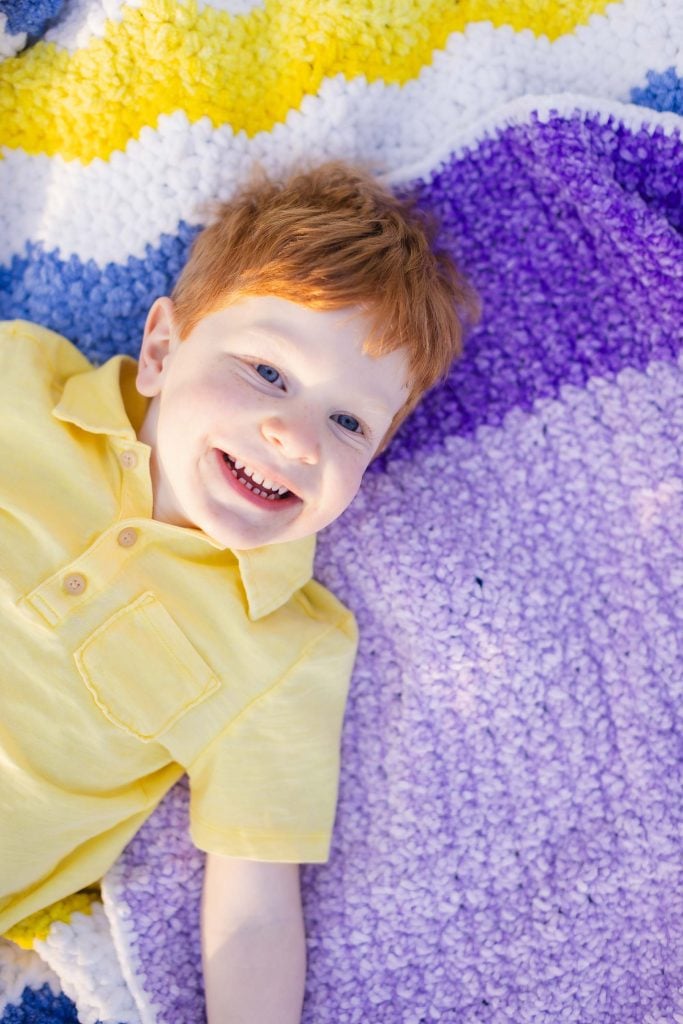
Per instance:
{"type": "Point", "coordinates": [156, 345]}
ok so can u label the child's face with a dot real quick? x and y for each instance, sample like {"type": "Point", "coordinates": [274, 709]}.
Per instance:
{"type": "Point", "coordinates": [263, 421]}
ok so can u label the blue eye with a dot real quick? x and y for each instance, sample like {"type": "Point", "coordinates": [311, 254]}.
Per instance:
{"type": "Point", "coordinates": [347, 422]}
{"type": "Point", "coordinates": [268, 373]}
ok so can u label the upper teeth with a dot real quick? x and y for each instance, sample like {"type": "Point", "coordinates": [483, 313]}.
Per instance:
{"type": "Point", "coordinates": [269, 485]}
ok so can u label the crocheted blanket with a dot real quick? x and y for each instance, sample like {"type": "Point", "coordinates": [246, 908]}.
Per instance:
{"type": "Point", "coordinates": [508, 842]}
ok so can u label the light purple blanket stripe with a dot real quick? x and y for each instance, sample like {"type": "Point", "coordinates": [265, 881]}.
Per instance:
{"type": "Point", "coordinates": [508, 842]}
{"type": "Point", "coordinates": [508, 838]}
{"type": "Point", "coordinates": [156, 888]}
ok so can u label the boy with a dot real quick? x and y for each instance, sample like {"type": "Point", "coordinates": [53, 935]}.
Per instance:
{"type": "Point", "coordinates": [158, 526]}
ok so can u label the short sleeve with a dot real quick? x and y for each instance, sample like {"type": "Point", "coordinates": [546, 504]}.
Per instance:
{"type": "Point", "coordinates": [34, 359]}
{"type": "Point", "coordinates": [266, 788]}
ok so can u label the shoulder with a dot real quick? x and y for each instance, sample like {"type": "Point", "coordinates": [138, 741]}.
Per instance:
{"type": "Point", "coordinates": [321, 604]}
{"type": "Point", "coordinates": [30, 351]}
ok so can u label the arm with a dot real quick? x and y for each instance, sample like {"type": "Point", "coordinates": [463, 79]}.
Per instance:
{"type": "Point", "coordinates": [253, 942]}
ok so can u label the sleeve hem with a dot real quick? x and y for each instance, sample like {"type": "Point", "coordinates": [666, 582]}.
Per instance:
{"type": "Point", "coordinates": [305, 848]}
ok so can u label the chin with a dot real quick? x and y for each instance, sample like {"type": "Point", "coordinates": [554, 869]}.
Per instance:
{"type": "Point", "coordinates": [243, 540]}
{"type": "Point", "coordinates": [226, 528]}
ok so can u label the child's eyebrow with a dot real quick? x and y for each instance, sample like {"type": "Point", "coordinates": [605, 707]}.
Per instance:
{"type": "Point", "coordinates": [285, 340]}
{"type": "Point", "coordinates": [272, 332]}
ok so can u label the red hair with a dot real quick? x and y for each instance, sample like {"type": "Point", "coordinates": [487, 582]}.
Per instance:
{"type": "Point", "coordinates": [331, 238]}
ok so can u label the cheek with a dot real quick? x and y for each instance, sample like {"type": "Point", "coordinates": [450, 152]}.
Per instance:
{"type": "Point", "coordinates": [221, 396]}
{"type": "Point", "coordinates": [348, 478]}
{"type": "Point", "coordinates": [192, 405]}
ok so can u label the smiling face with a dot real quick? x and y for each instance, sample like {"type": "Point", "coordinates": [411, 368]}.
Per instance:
{"type": "Point", "coordinates": [264, 419]}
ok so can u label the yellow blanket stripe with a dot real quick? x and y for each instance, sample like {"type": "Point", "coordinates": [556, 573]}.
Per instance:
{"type": "Point", "coordinates": [38, 925]}
{"type": "Point", "coordinates": [247, 71]}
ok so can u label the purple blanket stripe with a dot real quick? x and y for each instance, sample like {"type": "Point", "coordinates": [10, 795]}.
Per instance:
{"type": "Point", "coordinates": [571, 232]}
{"type": "Point", "coordinates": [508, 837]}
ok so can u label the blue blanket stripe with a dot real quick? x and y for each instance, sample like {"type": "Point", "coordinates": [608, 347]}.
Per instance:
{"type": "Point", "coordinates": [663, 92]}
{"type": "Point", "coordinates": [78, 299]}
{"type": "Point", "coordinates": [31, 16]}
{"type": "Point", "coordinates": [38, 1006]}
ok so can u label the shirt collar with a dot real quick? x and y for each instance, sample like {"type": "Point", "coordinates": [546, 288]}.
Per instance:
{"type": "Point", "coordinates": [104, 400]}
{"type": "Point", "coordinates": [271, 574]}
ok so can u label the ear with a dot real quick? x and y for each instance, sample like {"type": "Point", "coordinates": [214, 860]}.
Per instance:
{"type": "Point", "coordinates": [158, 342]}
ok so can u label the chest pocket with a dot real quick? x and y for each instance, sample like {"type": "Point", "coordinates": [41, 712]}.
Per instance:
{"type": "Point", "coordinates": [142, 671]}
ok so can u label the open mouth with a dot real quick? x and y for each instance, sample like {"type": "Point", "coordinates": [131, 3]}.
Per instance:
{"type": "Point", "coordinates": [257, 485]}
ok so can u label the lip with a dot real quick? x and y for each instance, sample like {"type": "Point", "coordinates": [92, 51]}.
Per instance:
{"type": "Point", "coordinates": [276, 505]}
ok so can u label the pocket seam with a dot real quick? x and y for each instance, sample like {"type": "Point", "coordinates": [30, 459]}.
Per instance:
{"type": "Point", "coordinates": [140, 604]}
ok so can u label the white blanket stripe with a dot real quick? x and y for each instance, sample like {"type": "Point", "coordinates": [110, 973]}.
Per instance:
{"type": "Point", "coordinates": [171, 170]}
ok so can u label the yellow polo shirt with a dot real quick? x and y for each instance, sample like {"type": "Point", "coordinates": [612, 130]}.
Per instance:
{"type": "Point", "coordinates": [134, 650]}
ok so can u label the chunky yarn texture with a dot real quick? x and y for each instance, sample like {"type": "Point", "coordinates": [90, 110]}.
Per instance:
{"type": "Point", "coordinates": [508, 842]}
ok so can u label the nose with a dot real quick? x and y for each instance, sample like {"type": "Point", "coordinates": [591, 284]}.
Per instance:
{"type": "Point", "coordinates": [294, 436]}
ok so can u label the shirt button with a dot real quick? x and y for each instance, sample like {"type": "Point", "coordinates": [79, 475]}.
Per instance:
{"type": "Point", "coordinates": [127, 537]}
{"type": "Point", "coordinates": [128, 459]}
{"type": "Point", "coordinates": [75, 583]}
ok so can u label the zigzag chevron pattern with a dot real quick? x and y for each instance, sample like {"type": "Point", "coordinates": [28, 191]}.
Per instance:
{"type": "Point", "coordinates": [508, 835]}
